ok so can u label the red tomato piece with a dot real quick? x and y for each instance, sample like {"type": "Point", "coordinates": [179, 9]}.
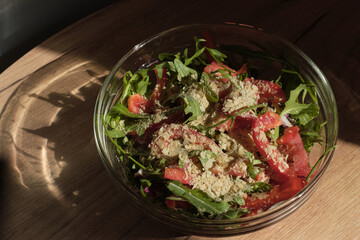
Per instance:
{"type": "Point", "coordinates": [269, 91]}
{"type": "Point", "coordinates": [241, 122]}
{"type": "Point", "coordinates": [214, 66]}
{"type": "Point", "coordinates": [272, 155]}
{"type": "Point", "coordinates": [243, 69]}
{"type": "Point", "coordinates": [291, 144]}
{"type": "Point", "coordinates": [177, 204]}
{"type": "Point", "coordinates": [290, 187]}
{"type": "Point", "coordinates": [158, 90]}
{"type": "Point", "coordinates": [264, 203]}
{"type": "Point", "coordinates": [277, 194]}
{"type": "Point", "coordinates": [178, 174]}
{"type": "Point", "coordinates": [137, 103]}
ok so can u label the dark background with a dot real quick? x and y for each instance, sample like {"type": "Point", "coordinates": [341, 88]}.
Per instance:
{"type": "Point", "coordinates": [26, 23]}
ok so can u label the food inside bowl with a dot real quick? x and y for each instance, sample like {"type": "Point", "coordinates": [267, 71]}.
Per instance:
{"type": "Point", "coordinates": [205, 136]}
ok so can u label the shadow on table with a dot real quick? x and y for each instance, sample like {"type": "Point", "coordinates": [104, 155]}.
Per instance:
{"type": "Point", "coordinates": [60, 173]}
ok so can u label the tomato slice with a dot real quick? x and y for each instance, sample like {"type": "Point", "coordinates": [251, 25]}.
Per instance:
{"type": "Point", "coordinates": [264, 203]}
{"type": "Point", "coordinates": [176, 173]}
{"type": "Point", "coordinates": [243, 121]}
{"type": "Point", "coordinates": [158, 91]}
{"type": "Point", "coordinates": [277, 194]}
{"type": "Point", "coordinates": [172, 204]}
{"type": "Point", "coordinates": [214, 66]}
{"type": "Point", "coordinates": [291, 144]}
{"type": "Point", "coordinates": [137, 103]}
{"type": "Point", "coordinates": [272, 155]}
{"type": "Point", "coordinates": [269, 91]}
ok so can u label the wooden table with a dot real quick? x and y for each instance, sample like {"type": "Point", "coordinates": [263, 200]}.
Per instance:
{"type": "Point", "coordinates": [54, 184]}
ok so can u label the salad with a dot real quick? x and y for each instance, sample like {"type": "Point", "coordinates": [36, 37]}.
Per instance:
{"type": "Point", "coordinates": [201, 134]}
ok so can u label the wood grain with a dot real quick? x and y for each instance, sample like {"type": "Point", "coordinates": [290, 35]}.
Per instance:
{"type": "Point", "coordinates": [55, 186]}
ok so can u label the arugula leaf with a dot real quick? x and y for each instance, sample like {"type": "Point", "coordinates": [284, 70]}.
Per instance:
{"type": "Point", "coordinates": [159, 69]}
{"type": "Point", "coordinates": [166, 57]}
{"type": "Point", "coordinates": [258, 187]}
{"type": "Point", "coordinates": [119, 148]}
{"type": "Point", "coordinates": [205, 156]}
{"type": "Point", "coordinates": [239, 200]}
{"type": "Point", "coordinates": [128, 85]}
{"type": "Point", "coordinates": [318, 161]}
{"type": "Point", "coordinates": [300, 111]}
{"type": "Point", "coordinates": [196, 54]}
{"type": "Point", "coordinates": [142, 85]}
{"type": "Point", "coordinates": [233, 214]}
{"type": "Point", "coordinates": [145, 183]}
{"type": "Point", "coordinates": [274, 135]}
{"type": "Point", "coordinates": [217, 55]}
{"type": "Point", "coordinates": [121, 109]}
{"type": "Point", "coordinates": [211, 96]}
{"type": "Point", "coordinates": [197, 198]}
{"type": "Point", "coordinates": [225, 74]}
{"type": "Point", "coordinates": [310, 86]}
{"type": "Point", "coordinates": [184, 71]}
{"type": "Point", "coordinates": [251, 169]}
{"type": "Point", "coordinates": [126, 125]}
{"type": "Point", "coordinates": [192, 107]}
{"type": "Point", "coordinates": [119, 130]}
{"type": "Point", "coordinates": [310, 134]}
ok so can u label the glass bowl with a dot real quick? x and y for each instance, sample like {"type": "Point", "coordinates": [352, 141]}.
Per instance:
{"type": "Point", "coordinates": [174, 40]}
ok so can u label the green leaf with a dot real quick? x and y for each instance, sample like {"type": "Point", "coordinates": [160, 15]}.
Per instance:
{"type": "Point", "coordinates": [274, 135]}
{"type": "Point", "coordinates": [225, 74]}
{"type": "Point", "coordinates": [166, 57]}
{"type": "Point", "coordinates": [239, 200]}
{"type": "Point", "coordinates": [204, 156]}
{"type": "Point", "coordinates": [184, 71]}
{"type": "Point", "coordinates": [251, 169]}
{"type": "Point", "coordinates": [142, 85]}
{"type": "Point", "coordinates": [258, 187]}
{"type": "Point", "coordinates": [233, 214]}
{"type": "Point", "coordinates": [119, 130]}
{"type": "Point", "coordinates": [119, 148]}
{"type": "Point", "coordinates": [192, 107]}
{"type": "Point", "coordinates": [128, 87]}
{"type": "Point", "coordinates": [309, 85]}
{"type": "Point", "coordinates": [197, 198]}
{"type": "Point", "coordinates": [121, 109]}
{"type": "Point", "coordinates": [310, 134]}
{"type": "Point", "coordinates": [159, 68]}
{"type": "Point", "coordinates": [300, 111]}
{"type": "Point", "coordinates": [217, 55]}
{"type": "Point", "coordinates": [319, 160]}
{"type": "Point", "coordinates": [144, 184]}
{"type": "Point", "coordinates": [196, 54]}
{"type": "Point", "coordinates": [211, 96]}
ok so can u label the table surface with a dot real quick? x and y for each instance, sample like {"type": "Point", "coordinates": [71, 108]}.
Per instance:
{"type": "Point", "coordinates": [54, 184]}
